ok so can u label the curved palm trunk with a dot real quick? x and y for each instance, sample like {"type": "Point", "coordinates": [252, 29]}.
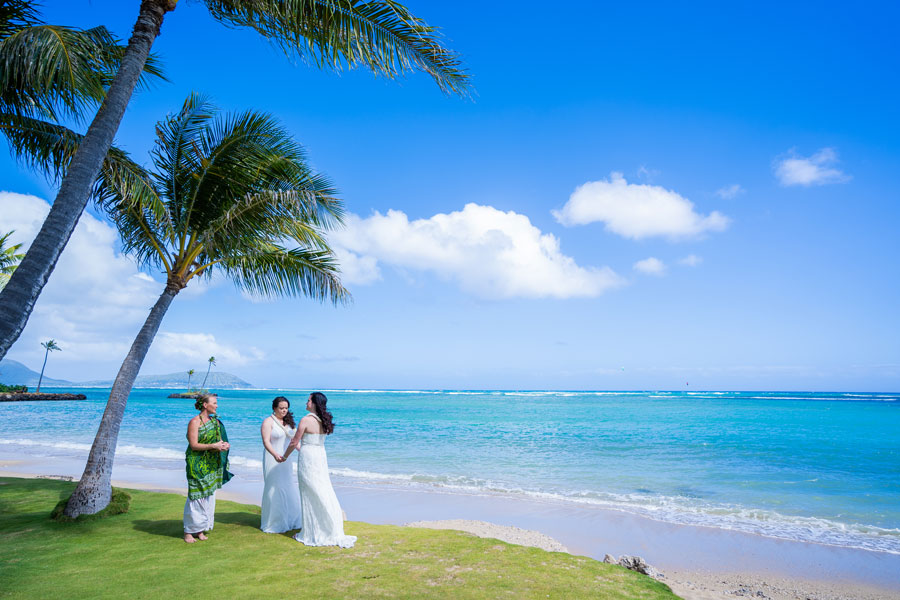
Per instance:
{"type": "Point", "coordinates": [94, 491]}
{"type": "Point", "coordinates": [21, 292]}
{"type": "Point", "coordinates": [41, 378]}
{"type": "Point", "coordinates": [203, 385]}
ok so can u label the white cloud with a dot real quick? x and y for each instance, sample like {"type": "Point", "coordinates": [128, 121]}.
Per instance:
{"type": "Point", "coordinates": [730, 192]}
{"type": "Point", "coordinates": [817, 169]}
{"type": "Point", "coordinates": [488, 252]}
{"type": "Point", "coordinates": [356, 269]}
{"type": "Point", "coordinates": [199, 347]}
{"type": "Point", "coordinates": [691, 260]}
{"type": "Point", "coordinates": [637, 211]}
{"type": "Point", "coordinates": [95, 298]}
{"type": "Point", "coordinates": [650, 266]}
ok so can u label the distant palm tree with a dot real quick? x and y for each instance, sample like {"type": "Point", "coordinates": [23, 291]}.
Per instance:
{"type": "Point", "coordinates": [190, 374]}
{"type": "Point", "coordinates": [211, 361]}
{"type": "Point", "coordinates": [232, 194]}
{"type": "Point", "coordinates": [49, 346]}
{"type": "Point", "coordinates": [9, 260]}
{"type": "Point", "coordinates": [382, 35]}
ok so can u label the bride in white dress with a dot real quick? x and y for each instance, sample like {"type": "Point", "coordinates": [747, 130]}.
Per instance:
{"type": "Point", "coordinates": [323, 522]}
{"type": "Point", "coordinates": [281, 498]}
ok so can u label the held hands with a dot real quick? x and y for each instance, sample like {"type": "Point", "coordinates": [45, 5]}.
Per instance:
{"type": "Point", "coordinates": [279, 458]}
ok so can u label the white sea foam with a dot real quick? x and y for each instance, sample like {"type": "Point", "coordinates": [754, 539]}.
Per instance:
{"type": "Point", "coordinates": [143, 452]}
{"type": "Point", "coordinates": [670, 509]}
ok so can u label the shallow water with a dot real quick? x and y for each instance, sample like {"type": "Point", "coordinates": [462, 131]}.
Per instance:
{"type": "Point", "coordinates": [811, 467]}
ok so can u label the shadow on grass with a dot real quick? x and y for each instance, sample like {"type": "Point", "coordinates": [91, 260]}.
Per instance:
{"type": "Point", "coordinates": [175, 528]}
{"type": "Point", "coordinates": [247, 519]}
{"type": "Point", "coordinates": [164, 527]}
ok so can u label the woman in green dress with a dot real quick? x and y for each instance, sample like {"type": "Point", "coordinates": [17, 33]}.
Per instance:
{"type": "Point", "coordinates": [207, 467]}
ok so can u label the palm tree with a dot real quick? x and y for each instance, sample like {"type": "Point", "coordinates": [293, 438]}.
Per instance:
{"type": "Point", "coordinates": [232, 194]}
{"type": "Point", "coordinates": [49, 346]}
{"type": "Point", "coordinates": [48, 74]}
{"type": "Point", "coordinates": [382, 35]}
{"type": "Point", "coordinates": [9, 260]}
{"type": "Point", "coordinates": [211, 361]}
{"type": "Point", "coordinates": [190, 375]}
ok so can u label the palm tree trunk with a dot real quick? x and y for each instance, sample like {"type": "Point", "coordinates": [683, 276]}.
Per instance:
{"type": "Point", "coordinates": [203, 385]}
{"type": "Point", "coordinates": [41, 378]}
{"type": "Point", "coordinates": [94, 491]}
{"type": "Point", "coordinates": [21, 292]}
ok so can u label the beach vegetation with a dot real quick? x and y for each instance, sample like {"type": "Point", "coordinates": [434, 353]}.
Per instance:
{"type": "Point", "coordinates": [231, 195]}
{"type": "Point", "coordinates": [381, 35]}
{"type": "Point", "coordinates": [190, 375]}
{"type": "Point", "coordinates": [49, 346]}
{"type": "Point", "coordinates": [140, 554]}
{"type": "Point", "coordinates": [118, 504]}
{"type": "Point", "coordinates": [13, 389]}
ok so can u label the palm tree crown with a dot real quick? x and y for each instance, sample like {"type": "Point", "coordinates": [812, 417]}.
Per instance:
{"type": "Point", "coordinates": [232, 194]}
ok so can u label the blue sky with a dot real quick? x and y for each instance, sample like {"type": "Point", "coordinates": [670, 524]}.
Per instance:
{"type": "Point", "coordinates": [639, 196]}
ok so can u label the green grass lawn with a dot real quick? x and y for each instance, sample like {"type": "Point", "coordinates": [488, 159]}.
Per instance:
{"type": "Point", "coordinates": [140, 555]}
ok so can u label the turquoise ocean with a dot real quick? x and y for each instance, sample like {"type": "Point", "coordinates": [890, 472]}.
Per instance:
{"type": "Point", "coordinates": [815, 467]}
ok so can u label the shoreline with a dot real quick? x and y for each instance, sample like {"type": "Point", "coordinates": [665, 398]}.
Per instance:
{"type": "Point", "coordinates": [698, 563]}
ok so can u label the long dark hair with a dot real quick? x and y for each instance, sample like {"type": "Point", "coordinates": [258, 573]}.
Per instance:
{"type": "Point", "coordinates": [289, 417]}
{"type": "Point", "coordinates": [319, 400]}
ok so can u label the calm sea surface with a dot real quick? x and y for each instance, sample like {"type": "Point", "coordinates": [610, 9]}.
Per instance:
{"type": "Point", "coordinates": [813, 467]}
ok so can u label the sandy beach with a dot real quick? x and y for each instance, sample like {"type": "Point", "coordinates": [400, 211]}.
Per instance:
{"type": "Point", "coordinates": [698, 563]}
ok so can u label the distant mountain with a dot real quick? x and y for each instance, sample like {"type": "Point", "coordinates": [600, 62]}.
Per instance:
{"type": "Point", "coordinates": [15, 373]}
{"type": "Point", "coordinates": [12, 372]}
{"type": "Point", "coordinates": [178, 381]}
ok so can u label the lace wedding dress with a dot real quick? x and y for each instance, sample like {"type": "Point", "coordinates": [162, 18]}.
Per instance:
{"type": "Point", "coordinates": [323, 522]}
{"type": "Point", "coordinates": [281, 498]}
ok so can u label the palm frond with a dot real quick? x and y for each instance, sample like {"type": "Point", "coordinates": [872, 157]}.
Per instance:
{"type": "Point", "coordinates": [382, 35]}
{"type": "Point", "coordinates": [271, 270]}
{"type": "Point", "coordinates": [16, 15]}
{"type": "Point", "coordinates": [254, 173]}
{"type": "Point", "coordinates": [52, 71]}
{"type": "Point", "coordinates": [176, 154]}
{"type": "Point", "coordinates": [8, 255]}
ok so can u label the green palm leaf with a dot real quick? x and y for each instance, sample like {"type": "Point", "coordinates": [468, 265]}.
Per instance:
{"type": "Point", "coordinates": [379, 34]}
{"type": "Point", "coordinates": [231, 193]}
{"type": "Point", "coordinates": [53, 71]}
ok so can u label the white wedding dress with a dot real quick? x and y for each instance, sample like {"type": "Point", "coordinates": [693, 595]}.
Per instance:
{"type": "Point", "coordinates": [281, 498]}
{"type": "Point", "coordinates": [323, 522]}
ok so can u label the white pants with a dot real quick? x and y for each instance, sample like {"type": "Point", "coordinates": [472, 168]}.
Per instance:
{"type": "Point", "coordinates": [199, 514]}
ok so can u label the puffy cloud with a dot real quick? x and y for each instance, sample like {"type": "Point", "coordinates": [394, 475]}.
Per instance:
{"type": "Point", "coordinates": [691, 260]}
{"type": "Point", "coordinates": [356, 269]}
{"type": "Point", "coordinates": [96, 297]}
{"type": "Point", "coordinates": [637, 211]}
{"type": "Point", "coordinates": [817, 169]}
{"type": "Point", "coordinates": [650, 266]}
{"type": "Point", "coordinates": [199, 347]}
{"type": "Point", "coordinates": [730, 192]}
{"type": "Point", "coordinates": [488, 252]}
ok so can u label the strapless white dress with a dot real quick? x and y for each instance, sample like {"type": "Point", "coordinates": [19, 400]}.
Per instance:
{"type": "Point", "coordinates": [323, 522]}
{"type": "Point", "coordinates": [281, 498]}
